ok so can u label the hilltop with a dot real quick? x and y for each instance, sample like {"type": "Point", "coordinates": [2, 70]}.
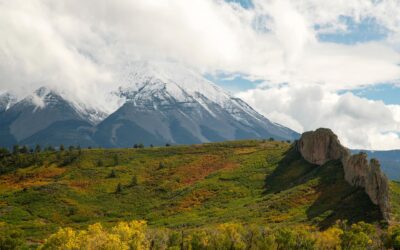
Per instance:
{"type": "Point", "coordinates": [256, 181]}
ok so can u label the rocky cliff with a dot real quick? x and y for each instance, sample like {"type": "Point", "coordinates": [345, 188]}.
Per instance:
{"type": "Point", "coordinates": [322, 145]}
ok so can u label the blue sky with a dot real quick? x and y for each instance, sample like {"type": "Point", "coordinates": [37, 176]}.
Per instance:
{"type": "Point", "coordinates": [363, 30]}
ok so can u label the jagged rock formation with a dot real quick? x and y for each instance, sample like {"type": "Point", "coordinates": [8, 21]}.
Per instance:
{"type": "Point", "coordinates": [361, 173]}
{"type": "Point", "coordinates": [322, 145]}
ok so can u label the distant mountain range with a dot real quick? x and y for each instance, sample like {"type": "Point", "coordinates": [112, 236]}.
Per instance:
{"type": "Point", "coordinates": [162, 103]}
{"type": "Point", "coordinates": [390, 161]}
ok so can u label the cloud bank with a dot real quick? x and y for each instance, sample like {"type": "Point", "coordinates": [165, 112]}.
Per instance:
{"type": "Point", "coordinates": [82, 48]}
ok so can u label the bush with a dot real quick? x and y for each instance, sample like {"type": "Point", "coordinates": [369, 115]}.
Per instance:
{"type": "Point", "coordinates": [112, 174]}
{"type": "Point", "coordinates": [10, 239]}
{"type": "Point", "coordinates": [118, 190]}
{"type": "Point", "coordinates": [227, 236]}
{"type": "Point", "coordinates": [125, 235]}
{"type": "Point", "coordinates": [134, 181]}
{"type": "Point", "coordinates": [358, 236]}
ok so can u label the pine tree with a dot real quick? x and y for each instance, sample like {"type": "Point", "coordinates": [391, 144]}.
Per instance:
{"type": "Point", "coordinates": [16, 149]}
{"type": "Point", "coordinates": [116, 160]}
{"type": "Point", "coordinates": [38, 148]}
{"type": "Point", "coordinates": [118, 190]}
{"type": "Point", "coordinates": [112, 174]}
{"type": "Point", "coordinates": [24, 150]}
{"type": "Point", "coordinates": [61, 147]}
{"type": "Point", "coordinates": [99, 163]}
{"type": "Point", "coordinates": [134, 181]}
{"type": "Point", "coordinates": [4, 152]}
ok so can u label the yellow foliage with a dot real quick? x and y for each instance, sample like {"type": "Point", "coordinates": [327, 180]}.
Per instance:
{"type": "Point", "coordinates": [329, 239]}
{"type": "Point", "coordinates": [124, 236]}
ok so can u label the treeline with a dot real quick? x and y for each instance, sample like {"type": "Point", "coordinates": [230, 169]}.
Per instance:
{"type": "Point", "coordinates": [228, 236]}
{"type": "Point", "coordinates": [23, 156]}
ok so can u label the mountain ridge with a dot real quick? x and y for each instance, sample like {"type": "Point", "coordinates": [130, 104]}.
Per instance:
{"type": "Point", "coordinates": [161, 103]}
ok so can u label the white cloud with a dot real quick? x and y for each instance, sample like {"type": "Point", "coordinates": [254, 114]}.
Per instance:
{"type": "Point", "coordinates": [360, 123]}
{"type": "Point", "coordinates": [81, 48]}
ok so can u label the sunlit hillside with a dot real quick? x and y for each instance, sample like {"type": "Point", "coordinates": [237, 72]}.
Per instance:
{"type": "Point", "coordinates": [177, 187]}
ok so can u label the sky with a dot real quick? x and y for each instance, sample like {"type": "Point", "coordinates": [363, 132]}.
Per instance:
{"type": "Point", "coordinates": [302, 63]}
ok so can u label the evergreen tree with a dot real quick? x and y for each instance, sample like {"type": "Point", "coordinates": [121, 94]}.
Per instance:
{"type": "Point", "coordinates": [16, 149]}
{"type": "Point", "coordinates": [4, 152]}
{"type": "Point", "coordinates": [24, 150]}
{"type": "Point", "coordinates": [71, 148]}
{"type": "Point", "coordinates": [38, 148]}
{"type": "Point", "coordinates": [112, 174]}
{"type": "Point", "coordinates": [100, 163]}
{"type": "Point", "coordinates": [118, 190]}
{"type": "Point", "coordinates": [134, 181]}
{"type": "Point", "coordinates": [116, 160]}
{"type": "Point", "coordinates": [62, 147]}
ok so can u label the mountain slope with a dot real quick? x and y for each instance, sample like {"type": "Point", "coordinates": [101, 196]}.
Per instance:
{"type": "Point", "coordinates": [170, 103]}
{"type": "Point", "coordinates": [33, 120]}
{"type": "Point", "coordinates": [7, 100]}
{"type": "Point", "coordinates": [180, 187]}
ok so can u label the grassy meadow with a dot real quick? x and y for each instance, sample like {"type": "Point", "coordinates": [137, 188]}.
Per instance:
{"type": "Point", "coordinates": [177, 187]}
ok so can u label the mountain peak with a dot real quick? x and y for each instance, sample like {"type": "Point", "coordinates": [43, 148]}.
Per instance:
{"type": "Point", "coordinates": [180, 82]}
{"type": "Point", "coordinates": [7, 100]}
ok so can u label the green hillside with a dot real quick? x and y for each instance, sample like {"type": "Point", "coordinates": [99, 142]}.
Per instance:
{"type": "Point", "coordinates": [250, 182]}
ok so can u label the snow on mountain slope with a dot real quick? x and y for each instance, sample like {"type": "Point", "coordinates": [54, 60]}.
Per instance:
{"type": "Point", "coordinates": [174, 104]}
{"type": "Point", "coordinates": [43, 97]}
{"type": "Point", "coordinates": [178, 81]}
{"type": "Point", "coordinates": [42, 109]}
{"type": "Point", "coordinates": [7, 100]}
{"type": "Point", "coordinates": [160, 102]}
{"type": "Point", "coordinates": [145, 79]}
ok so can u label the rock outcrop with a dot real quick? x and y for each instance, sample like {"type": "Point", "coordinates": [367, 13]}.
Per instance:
{"type": "Point", "coordinates": [322, 145]}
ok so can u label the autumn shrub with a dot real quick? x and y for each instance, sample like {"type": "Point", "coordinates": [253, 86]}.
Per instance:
{"type": "Point", "coordinates": [358, 236]}
{"type": "Point", "coordinates": [125, 235]}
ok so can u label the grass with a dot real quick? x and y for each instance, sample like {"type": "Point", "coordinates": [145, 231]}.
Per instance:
{"type": "Point", "coordinates": [242, 181]}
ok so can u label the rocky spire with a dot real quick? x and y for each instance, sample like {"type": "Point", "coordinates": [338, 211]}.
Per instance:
{"type": "Point", "coordinates": [322, 145]}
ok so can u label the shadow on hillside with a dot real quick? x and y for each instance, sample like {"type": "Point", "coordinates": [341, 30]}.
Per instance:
{"type": "Point", "coordinates": [322, 190]}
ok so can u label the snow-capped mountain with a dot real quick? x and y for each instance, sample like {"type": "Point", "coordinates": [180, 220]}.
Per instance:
{"type": "Point", "coordinates": [7, 100]}
{"type": "Point", "coordinates": [166, 102]}
{"type": "Point", "coordinates": [46, 117]}
{"type": "Point", "coordinates": [161, 103]}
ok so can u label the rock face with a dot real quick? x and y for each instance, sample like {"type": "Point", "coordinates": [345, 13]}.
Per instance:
{"type": "Point", "coordinates": [322, 145]}
{"type": "Point", "coordinates": [361, 173]}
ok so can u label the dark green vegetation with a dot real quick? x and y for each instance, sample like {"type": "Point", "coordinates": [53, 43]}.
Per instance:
{"type": "Point", "coordinates": [180, 187]}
